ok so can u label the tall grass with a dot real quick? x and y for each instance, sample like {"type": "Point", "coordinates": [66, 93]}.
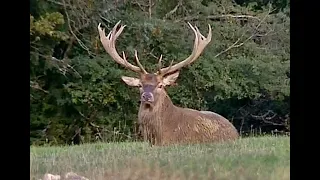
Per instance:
{"type": "Point", "coordinates": [256, 158]}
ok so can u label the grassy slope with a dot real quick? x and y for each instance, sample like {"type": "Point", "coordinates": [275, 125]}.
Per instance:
{"type": "Point", "coordinates": [249, 158]}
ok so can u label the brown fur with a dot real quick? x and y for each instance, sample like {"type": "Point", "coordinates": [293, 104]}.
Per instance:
{"type": "Point", "coordinates": [164, 124]}
{"type": "Point", "coordinates": [160, 121]}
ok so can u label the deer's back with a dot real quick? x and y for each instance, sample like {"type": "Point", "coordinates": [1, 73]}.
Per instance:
{"type": "Point", "coordinates": [191, 126]}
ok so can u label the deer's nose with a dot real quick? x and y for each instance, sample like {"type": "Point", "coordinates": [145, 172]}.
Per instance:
{"type": "Point", "coordinates": [147, 96]}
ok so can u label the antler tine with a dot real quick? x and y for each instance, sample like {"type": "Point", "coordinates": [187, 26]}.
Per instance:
{"type": "Point", "coordinates": [159, 64]}
{"type": "Point", "coordinates": [138, 62]}
{"type": "Point", "coordinates": [169, 67]}
{"type": "Point", "coordinates": [200, 42]}
{"type": "Point", "coordinates": [108, 43]}
{"type": "Point", "coordinates": [160, 72]}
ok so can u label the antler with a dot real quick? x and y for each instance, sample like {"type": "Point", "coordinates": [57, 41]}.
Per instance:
{"type": "Point", "coordinates": [200, 42]}
{"type": "Point", "coordinates": [108, 43]}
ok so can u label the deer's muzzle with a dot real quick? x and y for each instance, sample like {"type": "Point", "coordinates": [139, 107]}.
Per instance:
{"type": "Point", "coordinates": [147, 97]}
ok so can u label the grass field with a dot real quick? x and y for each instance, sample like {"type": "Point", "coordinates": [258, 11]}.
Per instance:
{"type": "Point", "coordinates": [254, 158]}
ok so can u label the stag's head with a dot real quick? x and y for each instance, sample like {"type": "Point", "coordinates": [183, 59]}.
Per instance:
{"type": "Point", "coordinates": [151, 85]}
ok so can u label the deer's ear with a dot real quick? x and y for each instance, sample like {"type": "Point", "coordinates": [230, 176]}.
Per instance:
{"type": "Point", "coordinates": [131, 81]}
{"type": "Point", "coordinates": [170, 79]}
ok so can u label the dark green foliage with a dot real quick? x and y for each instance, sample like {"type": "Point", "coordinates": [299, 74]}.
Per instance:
{"type": "Point", "coordinates": [76, 90]}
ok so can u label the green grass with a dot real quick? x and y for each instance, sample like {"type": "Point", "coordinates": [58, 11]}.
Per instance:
{"type": "Point", "coordinates": [254, 158]}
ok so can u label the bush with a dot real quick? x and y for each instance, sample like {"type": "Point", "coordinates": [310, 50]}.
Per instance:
{"type": "Point", "coordinates": [76, 94]}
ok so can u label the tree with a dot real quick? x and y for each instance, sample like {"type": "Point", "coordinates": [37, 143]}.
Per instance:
{"type": "Point", "coordinates": [76, 94]}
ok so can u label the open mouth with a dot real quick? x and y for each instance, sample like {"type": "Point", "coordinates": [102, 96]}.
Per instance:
{"type": "Point", "coordinates": [147, 105]}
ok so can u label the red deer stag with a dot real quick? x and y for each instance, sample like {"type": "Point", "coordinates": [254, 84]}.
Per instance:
{"type": "Point", "coordinates": [160, 121]}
